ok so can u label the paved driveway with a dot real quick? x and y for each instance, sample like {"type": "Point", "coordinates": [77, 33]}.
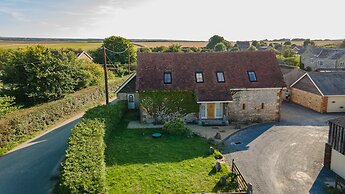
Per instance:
{"type": "Point", "coordinates": [284, 157]}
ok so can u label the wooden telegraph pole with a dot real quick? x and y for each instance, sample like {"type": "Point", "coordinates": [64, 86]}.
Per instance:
{"type": "Point", "coordinates": [105, 76]}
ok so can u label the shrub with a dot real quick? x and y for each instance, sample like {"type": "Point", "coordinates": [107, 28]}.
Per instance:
{"type": "Point", "coordinates": [83, 172]}
{"type": "Point", "coordinates": [177, 126]}
{"type": "Point", "coordinates": [20, 125]}
{"type": "Point", "coordinates": [7, 105]}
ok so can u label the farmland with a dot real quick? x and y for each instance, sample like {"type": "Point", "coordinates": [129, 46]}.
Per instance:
{"type": "Point", "coordinates": [92, 45]}
{"type": "Point", "coordinates": [85, 45]}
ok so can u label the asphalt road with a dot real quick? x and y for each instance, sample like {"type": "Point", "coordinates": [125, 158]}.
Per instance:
{"type": "Point", "coordinates": [34, 167]}
{"type": "Point", "coordinates": [284, 157]}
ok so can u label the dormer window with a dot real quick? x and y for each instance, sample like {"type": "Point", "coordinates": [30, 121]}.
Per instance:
{"type": "Point", "coordinates": [252, 76]}
{"type": "Point", "coordinates": [167, 77]}
{"type": "Point", "coordinates": [199, 77]}
{"type": "Point", "coordinates": [220, 76]}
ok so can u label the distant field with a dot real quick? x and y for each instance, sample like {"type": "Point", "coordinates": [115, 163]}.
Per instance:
{"type": "Point", "coordinates": [53, 45]}
{"type": "Point", "coordinates": [183, 44]}
{"type": "Point", "coordinates": [90, 45]}
{"type": "Point", "coordinates": [95, 45]}
{"type": "Point", "coordinates": [317, 42]}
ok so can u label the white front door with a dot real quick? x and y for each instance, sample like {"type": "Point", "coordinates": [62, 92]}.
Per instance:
{"type": "Point", "coordinates": [203, 111]}
{"type": "Point", "coordinates": [131, 101]}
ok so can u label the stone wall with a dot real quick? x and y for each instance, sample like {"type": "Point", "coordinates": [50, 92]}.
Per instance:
{"type": "Point", "coordinates": [309, 100]}
{"type": "Point", "coordinates": [255, 105]}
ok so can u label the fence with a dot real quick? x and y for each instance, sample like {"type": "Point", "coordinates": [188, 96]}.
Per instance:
{"type": "Point", "coordinates": [340, 183]}
{"type": "Point", "coordinates": [243, 185]}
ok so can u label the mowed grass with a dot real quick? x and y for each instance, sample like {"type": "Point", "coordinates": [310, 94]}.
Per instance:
{"type": "Point", "coordinates": [137, 163]}
{"type": "Point", "coordinates": [52, 45]}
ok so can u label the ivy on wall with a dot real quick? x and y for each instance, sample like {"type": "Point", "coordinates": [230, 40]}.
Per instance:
{"type": "Point", "coordinates": [168, 103]}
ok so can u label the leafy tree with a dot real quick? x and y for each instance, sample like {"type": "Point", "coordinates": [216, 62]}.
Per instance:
{"type": "Point", "coordinates": [235, 49]}
{"type": "Point", "coordinates": [174, 48]}
{"type": "Point", "coordinates": [220, 47]}
{"type": "Point", "coordinates": [7, 105]}
{"type": "Point", "coordinates": [252, 48]}
{"type": "Point", "coordinates": [214, 40]}
{"type": "Point", "coordinates": [287, 43]}
{"type": "Point", "coordinates": [159, 49]}
{"type": "Point", "coordinates": [262, 43]}
{"type": "Point", "coordinates": [255, 43]}
{"type": "Point", "coordinates": [308, 42]}
{"type": "Point", "coordinates": [37, 74]}
{"type": "Point", "coordinates": [287, 52]}
{"type": "Point", "coordinates": [145, 50]}
{"type": "Point", "coordinates": [116, 44]}
{"type": "Point", "coordinates": [342, 44]}
{"type": "Point", "coordinates": [217, 39]}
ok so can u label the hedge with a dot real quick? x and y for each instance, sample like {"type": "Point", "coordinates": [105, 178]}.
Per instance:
{"type": "Point", "coordinates": [23, 124]}
{"type": "Point", "coordinates": [83, 170]}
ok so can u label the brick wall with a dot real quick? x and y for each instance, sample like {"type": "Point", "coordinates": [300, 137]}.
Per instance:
{"type": "Point", "coordinates": [255, 105]}
{"type": "Point", "coordinates": [309, 100]}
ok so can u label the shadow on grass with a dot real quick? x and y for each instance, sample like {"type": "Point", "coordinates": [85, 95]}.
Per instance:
{"type": "Point", "coordinates": [230, 185]}
{"type": "Point", "coordinates": [136, 146]}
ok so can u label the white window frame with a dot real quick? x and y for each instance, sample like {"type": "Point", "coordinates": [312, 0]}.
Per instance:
{"type": "Point", "coordinates": [220, 74]}
{"type": "Point", "coordinates": [218, 114]}
{"type": "Point", "coordinates": [203, 116]}
{"type": "Point", "coordinates": [202, 77]}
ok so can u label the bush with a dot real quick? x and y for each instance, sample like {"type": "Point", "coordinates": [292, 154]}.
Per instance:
{"type": "Point", "coordinates": [7, 105]}
{"type": "Point", "coordinates": [20, 125]}
{"type": "Point", "coordinates": [83, 172]}
{"type": "Point", "coordinates": [177, 126]}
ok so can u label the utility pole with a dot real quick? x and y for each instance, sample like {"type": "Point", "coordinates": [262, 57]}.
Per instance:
{"type": "Point", "coordinates": [129, 62]}
{"type": "Point", "coordinates": [105, 75]}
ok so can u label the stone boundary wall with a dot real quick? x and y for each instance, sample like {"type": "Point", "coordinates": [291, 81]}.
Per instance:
{"type": "Point", "coordinates": [309, 100]}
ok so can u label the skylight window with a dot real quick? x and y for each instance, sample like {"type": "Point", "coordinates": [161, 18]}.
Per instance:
{"type": "Point", "coordinates": [199, 76]}
{"type": "Point", "coordinates": [252, 76]}
{"type": "Point", "coordinates": [167, 77]}
{"type": "Point", "coordinates": [220, 77]}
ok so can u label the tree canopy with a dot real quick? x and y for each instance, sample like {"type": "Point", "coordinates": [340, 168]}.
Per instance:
{"type": "Point", "coordinates": [116, 44]}
{"type": "Point", "coordinates": [220, 47]}
{"type": "Point", "coordinates": [37, 74]}
{"type": "Point", "coordinates": [217, 39]}
{"type": "Point", "coordinates": [308, 42]}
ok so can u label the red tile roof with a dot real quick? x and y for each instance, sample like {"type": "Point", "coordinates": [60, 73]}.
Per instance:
{"type": "Point", "coordinates": [183, 66]}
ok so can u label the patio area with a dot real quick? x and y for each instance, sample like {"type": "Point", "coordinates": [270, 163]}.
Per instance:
{"type": "Point", "coordinates": [203, 131]}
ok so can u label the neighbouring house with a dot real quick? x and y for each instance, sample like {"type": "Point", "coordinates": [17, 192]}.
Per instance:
{"type": "Point", "coordinates": [319, 58]}
{"type": "Point", "coordinates": [243, 45]}
{"type": "Point", "coordinates": [84, 56]}
{"type": "Point", "coordinates": [208, 88]}
{"type": "Point", "coordinates": [335, 150]}
{"type": "Point", "coordinates": [290, 74]}
{"type": "Point", "coordinates": [127, 92]}
{"type": "Point", "coordinates": [320, 91]}
{"type": "Point", "coordinates": [299, 49]}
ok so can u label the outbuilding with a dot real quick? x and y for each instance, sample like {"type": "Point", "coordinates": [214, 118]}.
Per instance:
{"type": "Point", "coordinates": [323, 92]}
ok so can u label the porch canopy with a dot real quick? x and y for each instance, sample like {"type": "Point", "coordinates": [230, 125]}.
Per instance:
{"type": "Point", "coordinates": [211, 96]}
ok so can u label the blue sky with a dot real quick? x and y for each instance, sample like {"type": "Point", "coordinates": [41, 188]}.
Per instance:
{"type": "Point", "coordinates": [173, 19]}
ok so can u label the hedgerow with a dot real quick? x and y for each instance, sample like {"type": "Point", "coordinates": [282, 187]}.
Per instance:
{"type": "Point", "coordinates": [21, 125]}
{"type": "Point", "coordinates": [83, 170]}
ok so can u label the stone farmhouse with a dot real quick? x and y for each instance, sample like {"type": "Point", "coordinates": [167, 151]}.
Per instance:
{"type": "Point", "coordinates": [323, 58]}
{"type": "Point", "coordinates": [320, 91]}
{"type": "Point", "coordinates": [335, 150]}
{"type": "Point", "coordinates": [206, 88]}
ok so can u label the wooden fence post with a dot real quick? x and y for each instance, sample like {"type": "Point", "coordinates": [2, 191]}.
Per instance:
{"type": "Point", "coordinates": [250, 189]}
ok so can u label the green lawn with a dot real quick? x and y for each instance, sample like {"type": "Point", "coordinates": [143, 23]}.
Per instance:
{"type": "Point", "coordinates": [136, 163]}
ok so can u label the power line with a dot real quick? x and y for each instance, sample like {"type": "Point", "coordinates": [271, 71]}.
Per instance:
{"type": "Point", "coordinates": [115, 52]}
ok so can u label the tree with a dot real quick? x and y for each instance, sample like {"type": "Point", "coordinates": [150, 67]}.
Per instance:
{"type": "Point", "coordinates": [342, 44]}
{"type": "Point", "coordinates": [38, 74]}
{"type": "Point", "coordinates": [308, 42]}
{"type": "Point", "coordinates": [220, 47]}
{"type": "Point", "coordinates": [214, 40]}
{"type": "Point", "coordinates": [252, 48]}
{"type": "Point", "coordinates": [287, 52]}
{"type": "Point", "coordinates": [255, 43]}
{"type": "Point", "coordinates": [116, 44]}
{"type": "Point", "coordinates": [175, 48]}
{"type": "Point", "coordinates": [287, 43]}
{"type": "Point", "coordinates": [7, 105]}
{"type": "Point", "coordinates": [159, 49]}
{"type": "Point", "coordinates": [145, 50]}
